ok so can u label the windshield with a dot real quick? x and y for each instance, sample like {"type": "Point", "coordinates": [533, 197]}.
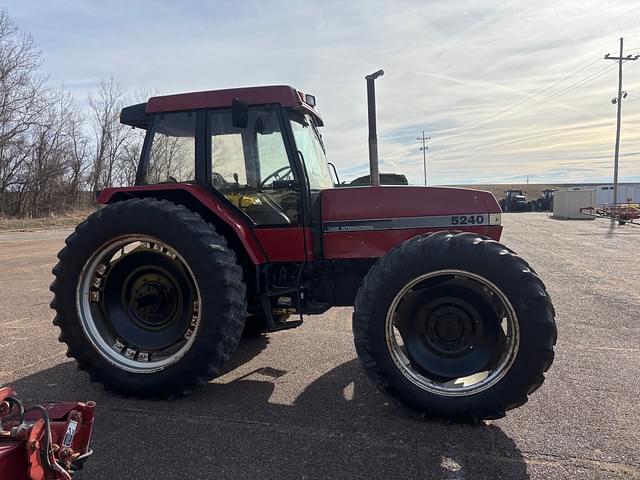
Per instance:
{"type": "Point", "coordinates": [308, 143]}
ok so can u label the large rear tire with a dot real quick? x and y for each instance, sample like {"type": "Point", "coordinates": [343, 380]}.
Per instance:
{"type": "Point", "coordinates": [455, 325]}
{"type": "Point", "coordinates": [148, 298]}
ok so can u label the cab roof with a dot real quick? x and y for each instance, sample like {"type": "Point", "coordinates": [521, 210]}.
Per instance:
{"type": "Point", "coordinates": [284, 95]}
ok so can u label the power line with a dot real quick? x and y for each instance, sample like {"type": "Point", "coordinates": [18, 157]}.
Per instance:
{"type": "Point", "coordinates": [538, 103]}
{"type": "Point", "coordinates": [568, 89]}
{"type": "Point", "coordinates": [621, 95]}
{"type": "Point", "coordinates": [522, 102]}
{"type": "Point", "coordinates": [558, 82]}
{"type": "Point", "coordinates": [509, 140]}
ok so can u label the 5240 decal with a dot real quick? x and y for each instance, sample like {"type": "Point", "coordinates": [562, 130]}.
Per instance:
{"type": "Point", "coordinates": [468, 220]}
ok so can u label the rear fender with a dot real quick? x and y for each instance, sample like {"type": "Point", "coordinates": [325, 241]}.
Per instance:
{"type": "Point", "coordinates": [229, 223]}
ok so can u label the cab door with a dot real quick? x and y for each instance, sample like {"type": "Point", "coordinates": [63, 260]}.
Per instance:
{"type": "Point", "coordinates": [253, 169]}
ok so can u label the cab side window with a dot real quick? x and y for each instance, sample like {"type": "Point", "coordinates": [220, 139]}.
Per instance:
{"type": "Point", "coordinates": [250, 167]}
{"type": "Point", "coordinates": [172, 155]}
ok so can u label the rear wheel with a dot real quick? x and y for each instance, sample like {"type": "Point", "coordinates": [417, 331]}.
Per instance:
{"type": "Point", "coordinates": [149, 299]}
{"type": "Point", "coordinates": [455, 325]}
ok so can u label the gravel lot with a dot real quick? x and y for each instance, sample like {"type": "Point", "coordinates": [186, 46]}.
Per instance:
{"type": "Point", "coordinates": [296, 404]}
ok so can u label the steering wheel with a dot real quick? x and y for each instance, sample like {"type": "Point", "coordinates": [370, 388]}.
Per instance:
{"type": "Point", "coordinates": [277, 175]}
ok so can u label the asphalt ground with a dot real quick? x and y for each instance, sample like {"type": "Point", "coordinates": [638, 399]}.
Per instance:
{"type": "Point", "coordinates": [296, 404]}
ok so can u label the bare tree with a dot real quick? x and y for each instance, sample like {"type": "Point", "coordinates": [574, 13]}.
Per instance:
{"type": "Point", "coordinates": [20, 101]}
{"type": "Point", "coordinates": [126, 166]}
{"type": "Point", "coordinates": [79, 156]}
{"type": "Point", "coordinates": [48, 162]}
{"type": "Point", "coordinates": [52, 154]}
{"type": "Point", "coordinates": [110, 136]}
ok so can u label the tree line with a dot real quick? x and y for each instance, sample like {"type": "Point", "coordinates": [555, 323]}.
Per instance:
{"type": "Point", "coordinates": [55, 155]}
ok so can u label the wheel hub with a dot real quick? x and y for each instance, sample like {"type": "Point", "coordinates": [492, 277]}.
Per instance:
{"type": "Point", "coordinates": [449, 329]}
{"type": "Point", "coordinates": [153, 300]}
{"type": "Point", "coordinates": [147, 302]}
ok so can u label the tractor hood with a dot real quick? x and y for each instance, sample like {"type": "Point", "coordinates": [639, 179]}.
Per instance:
{"type": "Point", "coordinates": [363, 222]}
{"type": "Point", "coordinates": [400, 202]}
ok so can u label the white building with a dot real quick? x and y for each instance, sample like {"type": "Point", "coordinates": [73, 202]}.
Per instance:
{"type": "Point", "coordinates": [567, 203]}
{"type": "Point", "coordinates": [627, 192]}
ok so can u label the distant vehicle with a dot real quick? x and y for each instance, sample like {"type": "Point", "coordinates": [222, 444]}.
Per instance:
{"type": "Point", "coordinates": [544, 203]}
{"type": "Point", "coordinates": [385, 179]}
{"type": "Point", "coordinates": [514, 201]}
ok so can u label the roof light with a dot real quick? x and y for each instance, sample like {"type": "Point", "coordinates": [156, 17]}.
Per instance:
{"type": "Point", "coordinates": [310, 100]}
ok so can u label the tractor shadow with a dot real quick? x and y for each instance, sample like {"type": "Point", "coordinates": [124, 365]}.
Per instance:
{"type": "Point", "coordinates": [252, 426]}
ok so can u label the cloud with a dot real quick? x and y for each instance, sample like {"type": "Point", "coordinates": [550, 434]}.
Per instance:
{"type": "Point", "coordinates": [465, 72]}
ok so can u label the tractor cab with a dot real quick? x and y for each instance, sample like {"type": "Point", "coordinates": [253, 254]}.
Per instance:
{"type": "Point", "coordinates": [516, 195]}
{"type": "Point", "coordinates": [258, 155]}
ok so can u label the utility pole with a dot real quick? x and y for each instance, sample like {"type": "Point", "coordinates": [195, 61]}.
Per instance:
{"type": "Point", "coordinates": [424, 149]}
{"type": "Point", "coordinates": [621, 58]}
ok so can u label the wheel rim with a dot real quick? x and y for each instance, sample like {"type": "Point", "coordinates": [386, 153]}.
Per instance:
{"type": "Point", "coordinates": [139, 304]}
{"type": "Point", "coordinates": [452, 332]}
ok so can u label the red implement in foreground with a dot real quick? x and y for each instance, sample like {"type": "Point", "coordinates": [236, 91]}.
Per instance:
{"type": "Point", "coordinates": [48, 442]}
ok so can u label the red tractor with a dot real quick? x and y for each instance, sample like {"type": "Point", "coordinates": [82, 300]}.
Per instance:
{"type": "Point", "coordinates": [236, 223]}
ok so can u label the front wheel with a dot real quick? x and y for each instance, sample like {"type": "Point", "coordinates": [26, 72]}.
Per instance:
{"type": "Point", "coordinates": [455, 325]}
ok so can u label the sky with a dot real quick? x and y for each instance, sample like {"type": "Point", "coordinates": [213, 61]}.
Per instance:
{"type": "Point", "coordinates": [506, 90]}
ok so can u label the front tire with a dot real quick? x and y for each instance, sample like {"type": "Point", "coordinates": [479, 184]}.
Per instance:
{"type": "Point", "coordinates": [148, 298]}
{"type": "Point", "coordinates": [454, 325]}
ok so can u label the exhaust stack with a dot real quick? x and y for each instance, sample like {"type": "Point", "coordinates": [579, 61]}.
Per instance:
{"type": "Point", "coordinates": [373, 136]}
